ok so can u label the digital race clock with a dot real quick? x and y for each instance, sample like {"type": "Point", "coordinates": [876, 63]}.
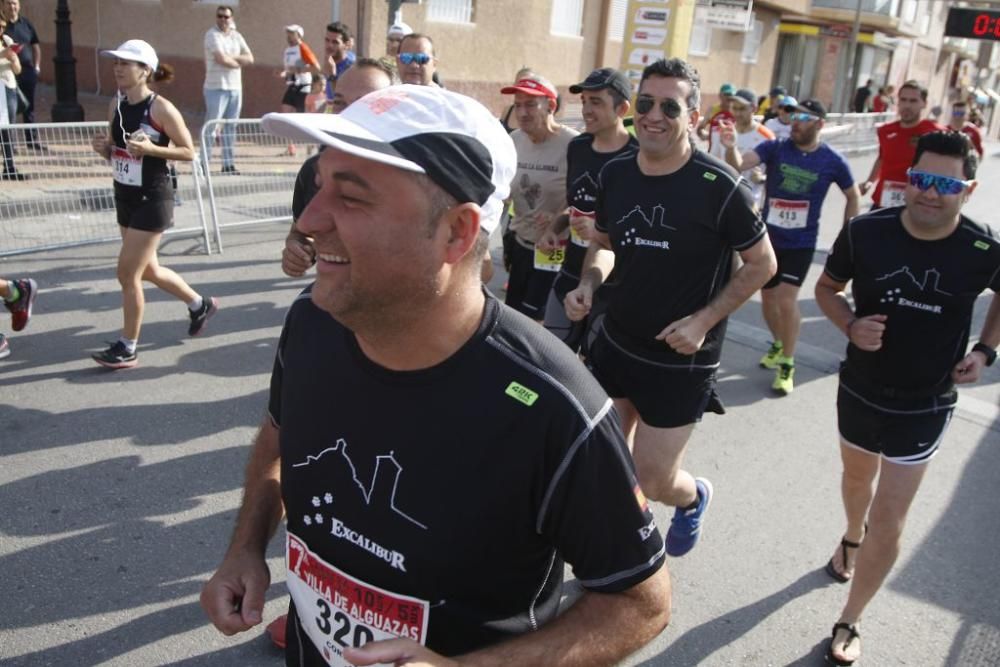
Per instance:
{"type": "Point", "coordinates": [973, 23]}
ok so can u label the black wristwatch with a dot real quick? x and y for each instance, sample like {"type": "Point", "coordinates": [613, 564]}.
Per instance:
{"type": "Point", "coordinates": [988, 352]}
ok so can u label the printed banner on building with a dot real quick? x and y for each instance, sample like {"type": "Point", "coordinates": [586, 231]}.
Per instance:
{"type": "Point", "coordinates": [727, 14]}
{"type": "Point", "coordinates": [646, 29]}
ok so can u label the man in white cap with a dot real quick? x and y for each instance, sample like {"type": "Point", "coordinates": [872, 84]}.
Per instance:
{"type": "Point", "coordinates": [391, 522]}
{"type": "Point", "coordinates": [300, 65]}
{"type": "Point", "coordinates": [397, 31]}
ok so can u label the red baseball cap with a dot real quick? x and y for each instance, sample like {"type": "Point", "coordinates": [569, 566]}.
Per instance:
{"type": "Point", "coordinates": [532, 85]}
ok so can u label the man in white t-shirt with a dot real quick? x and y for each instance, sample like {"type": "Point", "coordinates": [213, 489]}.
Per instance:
{"type": "Point", "coordinates": [226, 53]}
{"type": "Point", "coordinates": [781, 124]}
{"type": "Point", "coordinates": [749, 133]}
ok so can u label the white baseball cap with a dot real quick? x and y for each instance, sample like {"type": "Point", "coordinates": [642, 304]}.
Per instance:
{"type": "Point", "coordinates": [135, 50]}
{"type": "Point", "coordinates": [295, 27]}
{"type": "Point", "coordinates": [399, 29]}
{"type": "Point", "coordinates": [451, 138]}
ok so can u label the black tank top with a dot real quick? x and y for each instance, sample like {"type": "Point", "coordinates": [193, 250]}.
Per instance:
{"type": "Point", "coordinates": [155, 177]}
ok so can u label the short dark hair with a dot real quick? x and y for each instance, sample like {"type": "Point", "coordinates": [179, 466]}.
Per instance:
{"type": "Point", "coordinates": [341, 28]}
{"type": "Point", "coordinates": [379, 64]}
{"type": "Point", "coordinates": [959, 103]}
{"type": "Point", "coordinates": [231, 10]}
{"type": "Point", "coordinates": [418, 35]}
{"type": "Point", "coordinates": [675, 68]}
{"type": "Point", "coordinates": [949, 144]}
{"type": "Point", "coordinates": [917, 86]}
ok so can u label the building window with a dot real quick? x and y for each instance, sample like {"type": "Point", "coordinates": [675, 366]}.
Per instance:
{"type": "Point", "coordinates": [701, 35]}
{"type": "Point", "coordinates": [619, 17]}
{"type": "Point", "coordinates": [751, 40]}
{"type": "Point", "coordinates": [449, 11]}
{"type": "Point", "coordinates": [567, 18]}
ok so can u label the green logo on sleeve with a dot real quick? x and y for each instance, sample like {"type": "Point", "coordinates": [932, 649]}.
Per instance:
{"type": "Point", "coordinates": [709, 176]}
{"type": "Point", "coordinates": [982, 245]}
{"type": "Point", "coordinates": [521, 393]}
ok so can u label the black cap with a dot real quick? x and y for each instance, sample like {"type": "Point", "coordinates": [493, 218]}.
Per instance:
{"type": "Point", "coordinates": [778, 91]}
{"type": "Point", "coordinates": [605, 77]}
{"type": "Point", "coordinates": [815, 107]}
{"type": "Point", "coordinates": [746, 95]}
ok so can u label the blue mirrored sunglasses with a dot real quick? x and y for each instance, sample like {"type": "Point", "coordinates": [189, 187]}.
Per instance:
{"type": "Point", "coordinates": [945, 185]}
{"type": "Point", "coordinates": [419, 58]}
{"type": "Point", "coordinates": [803, 117]}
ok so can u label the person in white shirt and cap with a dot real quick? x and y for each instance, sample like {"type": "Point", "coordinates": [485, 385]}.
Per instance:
{"type": "Point", "coordinates": [397, 31]}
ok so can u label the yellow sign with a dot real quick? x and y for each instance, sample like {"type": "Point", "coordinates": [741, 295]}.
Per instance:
{"type": "Point", "coordinates": [655, 29]}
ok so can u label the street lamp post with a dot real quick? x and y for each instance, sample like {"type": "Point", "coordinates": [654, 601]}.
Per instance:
{"type": "Point", "coordinates": [66, 109]}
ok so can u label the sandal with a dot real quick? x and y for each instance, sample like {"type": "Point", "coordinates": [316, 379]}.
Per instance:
{"type": "Point", "coordinates": [852, 635]}
{"type": "Point", "coordinates": [845, 544]}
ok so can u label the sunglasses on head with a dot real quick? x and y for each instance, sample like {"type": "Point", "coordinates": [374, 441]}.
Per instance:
{"type": "Point", "coordinates": [945, 185]}
{"type": "Point", "coordinates": [803, 117]}
{"type": "Point", "coordinates": [670, 107]}
{"type": "Point", "coordinates": [419, 58]}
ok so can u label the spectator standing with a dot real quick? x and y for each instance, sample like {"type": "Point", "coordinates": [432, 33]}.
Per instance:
{"type": "Point", "coordinates": [883, 102]}
{"type": "Point", "coordinates": [339, 57]}
{"type": "Point", "coordinates": [397, 31]}
{"type": "Point", "coordinates": [226, 54]}
{"type": "Point", "coordinates": [23, 32]}
{"type": "Point", "coordinates": [862, 98]}
{"type": "Point", "coordinates": [10, 67]}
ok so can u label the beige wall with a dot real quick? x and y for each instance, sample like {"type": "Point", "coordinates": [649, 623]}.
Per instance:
{"type": "Point", "coordinates": [722, 64]}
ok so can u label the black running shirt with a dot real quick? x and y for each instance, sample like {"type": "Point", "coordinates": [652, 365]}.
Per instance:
{"type": "Point", "coordinates": [673, 238]}
{"type": "Point", "coordinates": [926, 288]}
{"type": "Point", "coordinates": [583, 166]}
{"type": "Point", "coordinates": [464, 486]}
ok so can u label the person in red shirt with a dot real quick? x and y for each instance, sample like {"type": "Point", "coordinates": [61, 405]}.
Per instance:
{"type": "Point", "coordinates": [959, 123]}
{"type": "Point", "coordinates": [897, 145]}
{"type": "Point", "coordinates": [883, 101]}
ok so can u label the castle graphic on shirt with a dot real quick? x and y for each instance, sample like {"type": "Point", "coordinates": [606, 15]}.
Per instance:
{"type": "Point", "coordinates": [929, 284]}
{"type": "Point", "coordinates": [583, 189]}
{"type": "Point", "coordinates": [379, 495]}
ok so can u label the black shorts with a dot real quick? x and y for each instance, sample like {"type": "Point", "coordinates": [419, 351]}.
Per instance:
{"type": "Point", "coordinates": [793, 266]}
{"type": "Point", "coordinates": [577, 335]}
{"type": "Point", "coordinates": [663, 397]}
{"type": "Point", "coordinates": [901, 434]}
{"type": "Point", "coordinates": [527, 287]}
{"type": "Point", "coordinates": [145, 214]}
{"type": "Point", "coordinates": [295, 96]}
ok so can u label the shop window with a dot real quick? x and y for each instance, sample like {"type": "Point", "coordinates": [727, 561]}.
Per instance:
{"type": "Point", "coordinates": [701, 35]}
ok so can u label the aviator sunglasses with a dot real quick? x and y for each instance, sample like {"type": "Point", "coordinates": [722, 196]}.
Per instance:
{"type": "Point", "coordinates": [945, 185]}
{"type": "Point", "coordinates": [419, 58]}
{"type": "Point", "coordinates": [670, 107]}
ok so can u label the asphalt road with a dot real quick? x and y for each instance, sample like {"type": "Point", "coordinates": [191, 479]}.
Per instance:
{"type": "Point", "coordinates": [119, 489]}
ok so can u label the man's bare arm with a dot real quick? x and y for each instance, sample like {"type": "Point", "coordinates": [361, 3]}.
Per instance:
{"type": "Point", "coordinates": [853, 205]}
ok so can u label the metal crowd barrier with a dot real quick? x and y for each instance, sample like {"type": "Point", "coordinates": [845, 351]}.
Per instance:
{"type": "Point", "coordinates": [260, 190]}
{"type": "Point", "coordinates": [854, 133]}
{"type": "Point", "coordinates": [66, 198]}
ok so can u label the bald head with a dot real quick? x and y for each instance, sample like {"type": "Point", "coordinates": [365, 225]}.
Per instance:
{"type": "Point", "coordinates": [356, 82]}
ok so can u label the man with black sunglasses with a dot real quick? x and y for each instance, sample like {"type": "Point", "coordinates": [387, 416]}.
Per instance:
{"type": "Point", "coordinates": [226, 54]}
{"type": "Point", "coordinates": [673, 216]}
{"type": "Point", "coordinates": [800, 171]}
{"type": "Point", "coordinates": [916, 272]}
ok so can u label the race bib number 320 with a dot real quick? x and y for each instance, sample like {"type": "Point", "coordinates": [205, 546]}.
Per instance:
{"type": "Point", "coordinates": [338, 611]}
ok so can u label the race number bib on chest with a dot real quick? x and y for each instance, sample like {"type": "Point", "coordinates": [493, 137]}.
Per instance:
{"type": "Point", "coordinates": [893, 194]}
{"type": "Point", "coordinates": [788, 214]}
{"type": "Point", "coordinates": [550, 260]}
{"type": "Point", "coordinates": [125, 167]}
{"type": "Point", "coordinates": [337, 610]}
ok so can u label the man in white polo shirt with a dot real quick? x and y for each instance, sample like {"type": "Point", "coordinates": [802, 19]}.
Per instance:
{"type": "Point", "coordinates": [226, 54]}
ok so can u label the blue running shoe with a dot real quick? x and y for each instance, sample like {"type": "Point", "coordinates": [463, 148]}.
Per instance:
{"type": "Point", "coordinates": [685, 527]}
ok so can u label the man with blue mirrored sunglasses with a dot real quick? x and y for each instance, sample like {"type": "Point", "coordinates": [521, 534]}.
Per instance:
{"type": "Point", "coordinates": [915, 271]}
{"type": "Point", "coordinates": [416, 61]}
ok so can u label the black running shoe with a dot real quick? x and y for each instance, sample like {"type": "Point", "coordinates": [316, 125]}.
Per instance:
{"type": "Point", "coordinates": [116, 356]}
{"type": "Point", "coordinates": [198, 318]}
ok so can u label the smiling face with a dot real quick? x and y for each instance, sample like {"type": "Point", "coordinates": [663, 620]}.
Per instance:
{"type": "Point", "coordinates": [930, 209]}
{"type": "Point", "coordinates": [658, 135]}
{"type": "Point", "coordinates": [375, 250]}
